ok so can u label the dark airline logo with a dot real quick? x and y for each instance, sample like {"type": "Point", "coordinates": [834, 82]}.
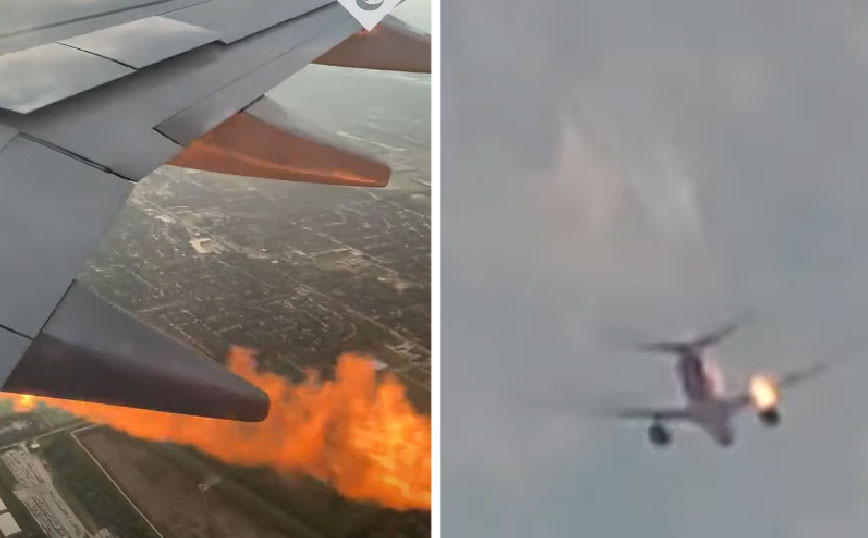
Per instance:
{"type": "Point", "coordinates": [369, 6]}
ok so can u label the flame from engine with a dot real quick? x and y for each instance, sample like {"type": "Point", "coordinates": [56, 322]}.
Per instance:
{"type": "Point", "coordinates": [25, 403]}
{"type": "Point", "coordinates": [361, 436]}
{"type": "Point", "coordinates": [763, 392]}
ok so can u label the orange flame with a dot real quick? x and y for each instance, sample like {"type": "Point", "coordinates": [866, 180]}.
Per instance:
{"type": "Point", "coordinates": [24, 403]}
{"type": "Point", "coordinates": [763, 392]}
{"type": "Point", "coordinates": [361, 436]}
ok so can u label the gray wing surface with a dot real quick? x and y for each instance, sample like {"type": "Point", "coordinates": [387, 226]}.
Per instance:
{"type": "Point", "coordinates": [96, 95]}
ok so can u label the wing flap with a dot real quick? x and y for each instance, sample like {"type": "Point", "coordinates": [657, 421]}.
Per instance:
{"type": "Point", "coordinates": [320, 31]}
{"type": "Point", "coordinates": [234, 20]}
{"type": "Point", "coordinates": [27, 16]}
{"type": "Point", "coordinates": [114, 124]}
{"type": "Point", "coordinates": [74, 19]}
{"type": "Point", "coordinates": [53, 211]}
{"type": "Point", "coordinates": [6, 135]}
{"type": "Point", "coordinates": [143, 42]}
{"type": "Point", "coordinates": [35, 78]}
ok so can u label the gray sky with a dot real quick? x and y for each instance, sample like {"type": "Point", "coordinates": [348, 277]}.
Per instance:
{"type": "Point", "coordinates": [415, 12]}
{"type": "Point", "coordinates": [619, 170]}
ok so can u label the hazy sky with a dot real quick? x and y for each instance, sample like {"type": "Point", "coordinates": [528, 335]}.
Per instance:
{"type": "Point", "coordinates": [416, 13]}
{"type": "Point", "coordinates": [619, 170]}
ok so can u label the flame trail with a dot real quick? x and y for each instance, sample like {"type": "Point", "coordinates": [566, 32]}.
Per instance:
{"type": "Point", "coordinates": [361, 436]}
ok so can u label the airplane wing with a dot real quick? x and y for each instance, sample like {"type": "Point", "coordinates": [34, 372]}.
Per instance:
{"type": "Point", "coordinates": [96, 95]}
{"type": "Point", "coordinates": [737, 403]}
{"type": "Point", "coordinates": [798, 376]}
{"type": "Point", "coordinates": [652, 413]}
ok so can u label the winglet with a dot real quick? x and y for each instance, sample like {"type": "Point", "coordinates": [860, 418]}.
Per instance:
{"type": "Point", "coordinates": [261, 141]}
{"type": "Point", "coordinates": [89, 350]}
{"type": "Point", "coordinates": [391, 45]}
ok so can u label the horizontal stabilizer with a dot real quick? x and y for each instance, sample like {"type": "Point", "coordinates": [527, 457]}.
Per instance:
{"type": "Point", "coordinates": [666, 347]}
{"type": "Point", "coordinates": [696, 345]}
{"type": "Point", "coordinates": [89, 350]}
{"type": "Point", "coordinates": [261, 142]}
{"type": "Point", "coordinates": [392, 45]}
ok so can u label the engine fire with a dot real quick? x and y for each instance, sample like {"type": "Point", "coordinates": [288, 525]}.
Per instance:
{"type": "Point", "coordinates": [764, 395]}
{"type": "Point", "coordinates": [763, 392]}
{"type": "Point", "coordinates": [359, 434]}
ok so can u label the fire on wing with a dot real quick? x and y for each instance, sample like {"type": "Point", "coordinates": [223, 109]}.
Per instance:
{"type": "Point", "coordinates": [356, 432]}
{"type": "Point", "coordinates": [765, 396]}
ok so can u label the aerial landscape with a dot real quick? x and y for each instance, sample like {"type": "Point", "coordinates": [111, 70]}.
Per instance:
{"type": "Point", "coordinates": [300, 274]}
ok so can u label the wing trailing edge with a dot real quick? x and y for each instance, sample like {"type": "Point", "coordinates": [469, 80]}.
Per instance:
{"type": "Point", "coordinates": [90, 350]}
{"type": "Point", "coordinates": [392, 45]}
{"type": "Point", "coordinates": [262, 142]}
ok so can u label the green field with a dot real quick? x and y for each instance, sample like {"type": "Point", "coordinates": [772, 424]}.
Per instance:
{"type": "Point", "coordinates": [296, 505]}
{"type": "Point", "coordinates": [286, 501]}
{"type": "Point", "coordinates": [86, 488]}
{"type": "Point", "coordinates": [56, 417]}
{"type": "Point", "coordinates": [251, 501]}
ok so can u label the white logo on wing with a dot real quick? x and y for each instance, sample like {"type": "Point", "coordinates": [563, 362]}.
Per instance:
{"type": "Point", "coordinates": [369, 12]}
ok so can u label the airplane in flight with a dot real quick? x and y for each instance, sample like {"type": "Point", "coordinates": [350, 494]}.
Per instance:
{"type": "Point", "coordinates": [708, 405]}
{"type": "Point", "coordinates": [96, 95]}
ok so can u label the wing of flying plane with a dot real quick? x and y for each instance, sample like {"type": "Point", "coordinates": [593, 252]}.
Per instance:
{"type": "Point", "coordinates": [795, 377]}
{"type": "Point", "coordinates": [787, 380]}
{"type": "Point", "coordinates": [96, 95]}
{"type": "Point", "coordinates": [653, 413]}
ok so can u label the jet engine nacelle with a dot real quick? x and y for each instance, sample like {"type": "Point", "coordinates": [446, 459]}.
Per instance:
{"type": "Point", "coordinates": [659, 435]}
{"type": "Point", "coordinates": [770, 417]}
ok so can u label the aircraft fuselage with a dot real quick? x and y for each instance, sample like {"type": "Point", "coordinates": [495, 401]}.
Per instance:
{"type": "Point", "coordinates": [707, 405]}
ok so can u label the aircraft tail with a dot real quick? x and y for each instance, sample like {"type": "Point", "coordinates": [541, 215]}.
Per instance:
{"type": "Point", "coordinates": [696, 344]}
{"type": "Point", "coordinates": [90, 350]}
